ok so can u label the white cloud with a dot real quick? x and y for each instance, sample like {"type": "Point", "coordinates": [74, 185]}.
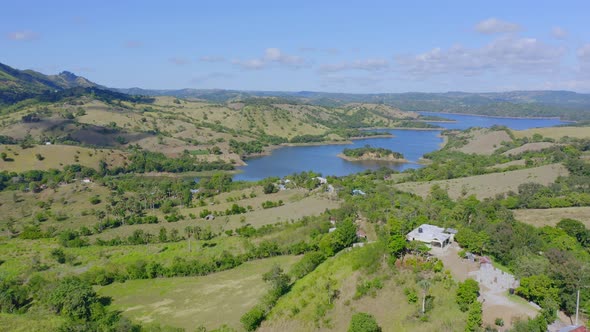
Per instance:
{"type": "Point", "coordinates": [24, 35]}
{"type": "Point", "coordinates": [271, 56]}
{"type": "Point", "coordinates": [179, 61]}
{"type": "Point", "coordinates": [212, 58]}
{"type": "Point", "coordinates": [494, 25]}
{"type": "Point", "coordinates": [559, 32]}
{"type": "Point", "coordinates": [253, 64]}
{"type": "Point", "coordinates": [516, 55]}
{"type": "Point", "coordinates": [367, 65]}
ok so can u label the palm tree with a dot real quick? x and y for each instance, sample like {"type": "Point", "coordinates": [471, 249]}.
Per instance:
{"type": "Point", "coordinates": [188, 230]}
{"type": "Point", "coordinates": [425, 285]}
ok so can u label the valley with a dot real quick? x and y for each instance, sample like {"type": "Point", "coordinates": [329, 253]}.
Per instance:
{"type": "Point", "coordinates": [224, 212]}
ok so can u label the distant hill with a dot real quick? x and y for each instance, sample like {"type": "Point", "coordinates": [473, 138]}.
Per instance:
{"type": "Point", "coordinates": [564, 104]}
{"type": "Point", "coordinates": [17, 85]}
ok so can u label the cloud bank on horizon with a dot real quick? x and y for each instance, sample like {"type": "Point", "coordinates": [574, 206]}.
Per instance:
{"type": "Point", "coordinates": [333, 48]}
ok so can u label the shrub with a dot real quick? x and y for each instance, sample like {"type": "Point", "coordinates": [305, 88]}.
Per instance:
{"type": "Point", "coordinates": [362, 322]}
{"type": "Point", "coordinates": [253, 318]}
{"type": "Point", "coordinates": [95, 200]}
{"type": "Point", "coordinates": [467, 293]}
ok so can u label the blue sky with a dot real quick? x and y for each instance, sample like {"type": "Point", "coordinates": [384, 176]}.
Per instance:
{"type": "Point", "coordinates": [339, 46]}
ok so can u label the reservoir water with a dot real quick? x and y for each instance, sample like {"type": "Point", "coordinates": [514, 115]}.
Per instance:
{"type": "Point", "coordinates": [413, 144]}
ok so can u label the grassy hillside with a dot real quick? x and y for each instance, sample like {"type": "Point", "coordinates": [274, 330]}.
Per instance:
{"type": "Point", "coordinates": [17, 85]}
{"type": "Point", "coordinates": [211, 132]}
{"type": "Point", "coordinates": [311, 305]}
{"type": "Point", "coordinates": [550, 217]}
{"type": "Point", "coordinates": [555, 132]}
{"type": "Point", "coordinates": [45, 157]}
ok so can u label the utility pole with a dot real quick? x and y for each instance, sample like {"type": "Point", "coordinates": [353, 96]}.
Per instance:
{"type": "Point", "coordinates": [577, 305]}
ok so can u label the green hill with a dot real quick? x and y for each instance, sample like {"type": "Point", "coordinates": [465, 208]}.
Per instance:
{"type": "Point", "coordinates": [17, 85]}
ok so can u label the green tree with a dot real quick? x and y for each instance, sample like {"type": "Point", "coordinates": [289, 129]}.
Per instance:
{"type": "Point", "coordinates": [12, 296]}
{"type": "Point", "coordinates": [253, 318]}
{"type": "Point", "coordinates": [73, 297]}
{"type": "Point", "coordinates": [474, 317]}
{"type": "Point", "coordinates": [278, 279]}
{"type": "Point", "coordinates": [467, 293]}
{"type": "Point", "coordinates": [363, 322]}
{"type": "Point", "coordinates": [537, 288]}
{"type": "Point", "coordinates": [575, 229]}
{"type": "Point", "coordinates": [397, 245]}
{"type": "Point", "coordinates": [270, 188]}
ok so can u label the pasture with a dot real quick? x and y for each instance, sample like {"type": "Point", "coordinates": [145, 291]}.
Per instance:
{"type": "Point", "coordinates": [189, 302]}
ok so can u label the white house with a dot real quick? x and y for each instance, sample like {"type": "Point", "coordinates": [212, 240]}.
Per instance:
{"type": "Point", "coordinates": [321, 180]}
{"type": "Point", "coordinates": [431, 235]}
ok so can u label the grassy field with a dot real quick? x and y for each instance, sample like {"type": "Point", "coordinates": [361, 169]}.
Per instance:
{"type": "Point", "coordinates": [30, 322]}
{"type": "Point", "coordinates": [488, 185]}
{"type": "Point", "coordinates": [542, 217]}
{"type": "Point", "coordinates": [555, 132]}
{"type": "Point", "coordinates": [189, 302]}
{"type": "Point", "coordinates": [57, 156]}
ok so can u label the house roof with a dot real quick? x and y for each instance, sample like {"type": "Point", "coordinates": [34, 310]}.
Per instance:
{"type": "Point", "coordinates": [574, 329]}
{"type": "Point", "coordinates": [428, 233]}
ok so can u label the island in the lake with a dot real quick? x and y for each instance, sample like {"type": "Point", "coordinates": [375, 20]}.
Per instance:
{"type": "Point", "coordinates": [370, 153]}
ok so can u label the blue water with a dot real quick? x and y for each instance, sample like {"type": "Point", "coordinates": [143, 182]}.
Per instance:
{"type": "Point", "coordinates": [413, 144]}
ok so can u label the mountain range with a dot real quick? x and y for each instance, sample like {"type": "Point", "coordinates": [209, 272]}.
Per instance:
{"type": "Point", "coordinates": [17, 85]}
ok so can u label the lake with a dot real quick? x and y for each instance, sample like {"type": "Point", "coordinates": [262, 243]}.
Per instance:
{"type": "Point", "coordinates": [413, 144]}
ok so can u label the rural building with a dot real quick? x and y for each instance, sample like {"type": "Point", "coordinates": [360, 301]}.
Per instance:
{"type": "Point", "coordinates": [321, 179]}
{"type": "Point", "coordinates": [209, 217]}
{"type": "Point", "coordinates": [431, 235]}
{"type": "Point", "coordinates": [357, 192]}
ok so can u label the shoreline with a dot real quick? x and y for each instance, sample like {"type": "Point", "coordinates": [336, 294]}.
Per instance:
{"type": "Point", "coordinates": [269, 149]}
{"type": "Point", "coordinates": [502, 117]}
{"type": "Point", "coordinates": [400, 128]}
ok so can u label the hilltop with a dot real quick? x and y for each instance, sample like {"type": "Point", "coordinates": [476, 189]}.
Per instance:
{"type": "Point", "coordinates": [567, 105]}
{"type": "Point", "coordinates": [17, 85]}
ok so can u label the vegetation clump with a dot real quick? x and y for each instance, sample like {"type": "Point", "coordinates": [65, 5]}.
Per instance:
{"type": "Point", "coordinates": [371, 153]}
